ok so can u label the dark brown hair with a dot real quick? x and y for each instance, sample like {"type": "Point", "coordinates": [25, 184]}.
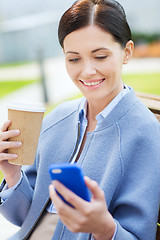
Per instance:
{"type": "Point", "coordinates": [107, 14]}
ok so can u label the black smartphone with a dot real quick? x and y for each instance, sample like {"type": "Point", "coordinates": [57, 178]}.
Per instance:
{"type": "Point", "coordinates": [72, 177]}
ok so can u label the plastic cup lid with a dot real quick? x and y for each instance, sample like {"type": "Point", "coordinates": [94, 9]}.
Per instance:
{"type": "Point", "coordinates": [26, 106]}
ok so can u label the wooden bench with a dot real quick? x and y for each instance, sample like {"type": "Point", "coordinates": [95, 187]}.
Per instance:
{"type": "Point", "coordinates": [153, 103]}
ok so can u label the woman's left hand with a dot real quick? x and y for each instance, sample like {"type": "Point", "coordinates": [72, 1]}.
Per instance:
{"type": "Point", "coordinates": [92, 217]}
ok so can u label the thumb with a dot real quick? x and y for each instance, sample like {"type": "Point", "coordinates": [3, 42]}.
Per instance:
{"type": "Point", "coordinates": [94, 188]}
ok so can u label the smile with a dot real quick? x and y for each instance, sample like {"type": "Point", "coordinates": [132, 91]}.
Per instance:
{"type": "Point", "coordinates": [92, 83]}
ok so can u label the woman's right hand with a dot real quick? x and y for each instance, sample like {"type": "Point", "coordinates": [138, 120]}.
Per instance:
{"type": "Point", "coordinates": [11, 172]}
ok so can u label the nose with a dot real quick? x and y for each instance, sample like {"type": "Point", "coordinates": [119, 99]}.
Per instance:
{"type": "Point", "coordinates": [88, 69]}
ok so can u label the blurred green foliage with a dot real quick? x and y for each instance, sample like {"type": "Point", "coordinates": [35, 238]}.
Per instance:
{"type": "Point", "coordinates": [147, 83]}
{"type": "Point", "coordinates": [14, 64]}
{"type": "Point", "coordinates": [145, 38]}
{"type": "Point", "coordinates": [1, 176]}
{"type": "Point", "coordinates": [7, 87]}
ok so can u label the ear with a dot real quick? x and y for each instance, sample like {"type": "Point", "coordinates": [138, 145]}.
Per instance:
{"type": "Point", "coordinates": [128, 51]}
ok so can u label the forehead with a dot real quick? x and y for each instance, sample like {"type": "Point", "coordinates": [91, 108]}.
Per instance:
{"type": "Point", "coordinates": [89, 37]}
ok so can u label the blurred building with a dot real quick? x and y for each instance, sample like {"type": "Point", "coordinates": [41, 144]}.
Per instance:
{"type": "Point", "coordinates": [143, 15]}
{"type": "Point", "coordinates": [28, 27]}
{"type": "Point", "coordinates": [22, 38]}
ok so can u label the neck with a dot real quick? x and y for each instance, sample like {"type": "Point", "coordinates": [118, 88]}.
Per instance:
{"type": "Point", "coordinates": [95, 106]}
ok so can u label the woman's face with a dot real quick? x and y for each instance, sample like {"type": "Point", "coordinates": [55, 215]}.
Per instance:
{"type": "Point", "coordinates": [94, 63]}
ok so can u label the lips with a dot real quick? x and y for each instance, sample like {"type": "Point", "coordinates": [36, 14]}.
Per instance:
{"type": "Point", "coordinates": [92, 83]}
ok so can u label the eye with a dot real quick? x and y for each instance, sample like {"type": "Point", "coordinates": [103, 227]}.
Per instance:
{"type": "Point", "coordinates": [101, 57]}
{"type": "Point", "coordinates": [74, 59]}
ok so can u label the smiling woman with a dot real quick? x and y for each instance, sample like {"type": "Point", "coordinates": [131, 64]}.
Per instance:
{"type": "Point", "coordinates": [109, 132]}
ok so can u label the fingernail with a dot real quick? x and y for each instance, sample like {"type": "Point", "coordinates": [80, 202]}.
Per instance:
{"type": "Point", "coordinates": [54, 182]}
{"type": "Point", "coordinates": [87, 178]}
{"type": "Point", "coordinates": [19, 143]}
{"type": "Point", "coordinates": [17, 131]}
{"type": "Point", "coordinates": [51, 188]}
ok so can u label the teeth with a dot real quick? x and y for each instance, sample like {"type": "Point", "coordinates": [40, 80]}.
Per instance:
{"type": "Point", "coordinates": [92, 83]}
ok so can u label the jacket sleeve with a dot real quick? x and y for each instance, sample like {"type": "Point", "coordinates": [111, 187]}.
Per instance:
{"type": "Point", "coordinates": [16, 207]}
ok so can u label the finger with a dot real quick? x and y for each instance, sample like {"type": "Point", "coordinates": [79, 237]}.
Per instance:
{"type": "Point", "coordinates": [73, 218]}
{"type": "Point", "coordinates": [6, 156]}
{"type": "Point", "coordinates": [9, 134]}
{"type": "Point", "coordinates": [5, 126]}
{"type": "Point", "coordinates": [53, 195]}
{"type": "Point", "coordinates": [60, 205]}
{"type": "Point", "coordinates": [7, 145]}
{"type": "Point", "coordinates": [94, 188]}
{"type": "Point", "coordinates": [63, 209]}
{"type": "Point", "coordinates": [69, 196]}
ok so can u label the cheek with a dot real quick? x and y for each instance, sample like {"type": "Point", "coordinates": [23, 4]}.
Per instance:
{"type": "Point", "coordinates": [69, 70]}
{"type": "Point", "coordinates": [72, 71]}
{"type": "Point", "coordinates": [107, 70]}
{"type": "Point", "coordinates": [113, 68]}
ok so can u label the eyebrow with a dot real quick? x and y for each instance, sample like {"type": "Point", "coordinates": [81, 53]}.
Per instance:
{"type": "Point", "coordinates": [93, 51]}
{"type": "Point", "coordinates": [99, 49]}
{"type": "Point", "coordinates": [72, 52]}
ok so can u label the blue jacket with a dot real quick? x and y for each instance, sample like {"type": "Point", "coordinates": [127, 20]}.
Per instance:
{"type": "Point", "coordinates": [122, 155]}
